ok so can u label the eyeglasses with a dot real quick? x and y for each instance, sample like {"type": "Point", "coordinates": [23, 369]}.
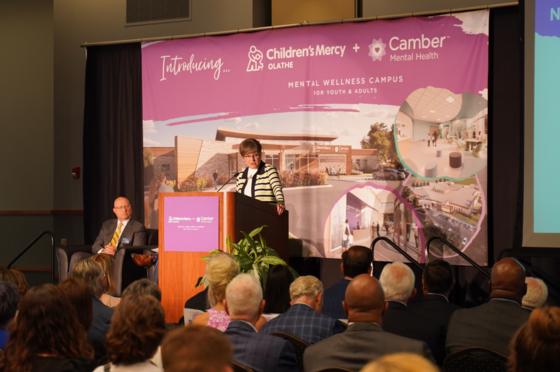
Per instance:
{"type": "Point", "coordinates": [252, 156]}
{"type": "Point", "coordinates": [123, 207]}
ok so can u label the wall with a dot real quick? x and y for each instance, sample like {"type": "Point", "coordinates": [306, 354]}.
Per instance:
{"type": "Point", "coordinates": [372, 8]}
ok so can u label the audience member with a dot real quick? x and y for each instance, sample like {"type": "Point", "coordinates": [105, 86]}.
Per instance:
{"type": "Point", "coordinates": [397, 280]}
{"type": "Point", "coordinates": [437, 283]}
{"type": "Point", "coordinates": [364, 340]}
{"type": "Point", "coordinates": [107, 263]}
{"type": "Point", "coordinates": [304, 318]}
{"type": "Point", "coordinates": [121, 231]}
{"type": "Point", "coordinates": [80, 296]}
{"type": "Point", "coordinates": [196, 349]}
{"type": "Point", "coordinates": [91, 273]}
{"type": "Point", "coordinates": [400, 362]}
{"type": "Point", "coordinates": [46, 335]}
{"type": "Point", "coordinates": [199, 301]}
{"type": "Point", "coordinates": [492, 325]}
{"type": "Point", "coordinates": [143, 287]}
{"type": "Point", "coordinates": [277, 290]}
{"type": "Point", "coordinates": [537, 293]}
{"type": "Point", "coordinates": [536, 346]}
{"type": "Point", "coordinates": [136, 332]}
{"type": "Point", "coordinates": [355, 261]}
{"type": "Point", "coordinates": [9, 302]}
{"type": "Point", "coordinates": [16, 277]}
{"type": "Point", "coordinates": [260, 352]}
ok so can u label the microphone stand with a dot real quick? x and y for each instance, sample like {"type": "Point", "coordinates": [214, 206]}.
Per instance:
{"type": "Point", "coordinates": [232, 177]}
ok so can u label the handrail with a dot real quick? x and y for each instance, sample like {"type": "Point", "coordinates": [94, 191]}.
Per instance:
{"type": "Point", "coordinates": [456, 250]}
{"type": "Point", "coordinates": [31, 244]}
{"type": "Point", "coordinates": [397, 248]}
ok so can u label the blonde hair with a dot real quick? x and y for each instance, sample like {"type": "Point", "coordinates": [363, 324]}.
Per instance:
{"type": "Point", "coordinates": [221, 269]}
{"type": "Point", "coordinates": [397, 281]}
{"type": "Point", "coordinates": [400, 362]}
{"type": "Point", "coordinates": [305, 286]}
{"type": "Point", "coordinates": [107, 263]}
{"type": "Point", "coordinates": [90, 272]}
{"type": "Point", "coordinates": [537, 293]}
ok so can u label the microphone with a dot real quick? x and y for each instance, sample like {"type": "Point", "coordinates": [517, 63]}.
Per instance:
{"type": "Point", "coordinates": [232, 177]}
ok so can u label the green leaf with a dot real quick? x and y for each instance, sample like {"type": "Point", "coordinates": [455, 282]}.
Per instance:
{"type": "Point", "coordinates": [294, 273]}
{"type": "Point", "coordinates": [263, 242]}
{"type": "Point", "coordinates": [256, 231]}
{"type": "Point", "coordinates": [272, 252]}
{"type": "Point", "coordinates": [251, 243]}
{"type": "Point", "coordinates": [228, 243]}
{"type": "Point", "coordinates": [272, 260]}
{"type": "Point", "coordinates": [200, 281]}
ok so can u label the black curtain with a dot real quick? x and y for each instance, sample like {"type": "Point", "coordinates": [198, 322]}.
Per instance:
{"type": "Point", "coordinates": [112, 141]}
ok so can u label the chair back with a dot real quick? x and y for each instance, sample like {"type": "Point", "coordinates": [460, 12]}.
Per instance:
{"type": "Point", "coordinates": [238, 367]}
{"type": "Point", "coordinates": [298, 344]}
{"type": "Point", "coordinates": [336, 369]}
{"type": "Point", "coordinates": [475, 359]}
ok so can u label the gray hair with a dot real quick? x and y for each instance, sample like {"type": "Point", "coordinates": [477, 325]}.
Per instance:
{"type": "Point", "coordinates": [537, 293]}
{"type": "Point", "coordinates": [244, 295]}
{"type": "Point", "coordinates": [305, 286]}
{"type": "Point", "coordinates": [90, 272]}
{"type": "Point", "coordinates": [397, 281]}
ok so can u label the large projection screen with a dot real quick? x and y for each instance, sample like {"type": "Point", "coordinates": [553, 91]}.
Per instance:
{"type": "Point", "coordinates": [541, 226]}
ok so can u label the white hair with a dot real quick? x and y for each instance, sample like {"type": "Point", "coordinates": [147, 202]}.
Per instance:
{"type": "Point", "coordinates": [397, 281]}
{"type": "Point", "coordinates": [244, 295]}
{"type": "Point", "coordinates": [305, 286]}
{"type": "Point", "coordinates": [537, 293]}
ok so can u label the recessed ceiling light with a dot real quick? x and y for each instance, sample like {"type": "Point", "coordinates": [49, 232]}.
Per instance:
{"type": "Point", "coordinates": [447, 115]}
{"type": "Point", "coordinates": [450, 99]}
{"type": "Point", "coordinates": [439, 119]}
{"type": "Point", "coordinates": [432, 111]}
{"type": "Point", "coordinates": [424, 116]}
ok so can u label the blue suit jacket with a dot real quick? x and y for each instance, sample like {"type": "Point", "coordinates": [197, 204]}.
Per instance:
{"type": "Point", "coordinates": [99, 327]}
{"type": "Point", "coordinates": [302, 321]}
{"type": "Point", "coordinates": [333, 298]}
{"type": "Point", "coordinates": [260, 352]}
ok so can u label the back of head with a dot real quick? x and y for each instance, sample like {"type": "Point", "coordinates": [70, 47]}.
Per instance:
{"type": "Point", "coordinates": [221, 269]}
{"type": "Point", "coordinates": [536, 346]}
{"type": "Point", "coordinates": [9, 302]}
{"type": "Point", "coordinates": [356, 260]}
{"type": "Point", "coordinates": [277, 290]}
{"type": "Point", "coordinates": [16, 277]}
{"type": "Point", "coordinates": [305, 286]}
{"type": "Point", "coordinates": [90, 272]}
{"type": "Point", "coordinates": [137, 328]}
{"type": "Point", "coordinates": [80, 296]}
{"type": "Point", "coordinates": [196, 349]}
{"type": "Point", "coordinates": [143, 287]}
{"type": "Point", "coordinates": [107, 263]}
{"type": "Point", "coordinates": [243, 296]}
{"type": "Point", "coordinates": [400, 362]}
{"type": "Point", "coordinates": [438, 277]}
{"type": "Point", "coordinates": [364, 300]}
{"type": "Point", "coordinates": [397, 280]}
{"type": "Point", "coordinates": [508, 280]}
{"type": "Point", "coordinates": [537, 293]}
{"type": "Point", "coordinates": [162, 177]}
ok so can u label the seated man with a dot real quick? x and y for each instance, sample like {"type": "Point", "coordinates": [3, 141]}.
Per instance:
{"type": "Point", "coordinates": [397, 281]}
{"type": "Point", "coordinates": [304, 318]}
{"type": "Point", "coordinates": [260, 352]}
{"type": "Point", "coordinates": [364, 340]}
{"type": "Point", "coordinates": [493, 324]}
{"type": "Point", "coordinates": [120, 231]}
{"type": "Point", "coordinates": [355, 261]}
{"type": "Point", "coordinates": [537, 293]}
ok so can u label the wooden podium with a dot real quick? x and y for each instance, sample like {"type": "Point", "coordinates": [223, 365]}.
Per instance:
{"type": "Point", "coordinates": [180, 270]}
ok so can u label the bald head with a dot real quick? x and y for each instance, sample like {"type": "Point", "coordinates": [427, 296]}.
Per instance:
{"type": "Point", "coordinates": [365, 301]}
{"type": "Point", "coordinates": [508, 280]}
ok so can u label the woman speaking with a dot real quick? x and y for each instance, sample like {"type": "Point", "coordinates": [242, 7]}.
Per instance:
{"type": "Point", "coordinates": [259, 180]}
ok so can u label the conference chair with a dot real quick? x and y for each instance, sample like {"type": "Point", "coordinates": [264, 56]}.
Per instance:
{"type": "Point", "coordinates": [475, 359]}
{"type": "Point", "coordinates": [238, 367]}
{"type": "Point", "coordinates": [298, 344]}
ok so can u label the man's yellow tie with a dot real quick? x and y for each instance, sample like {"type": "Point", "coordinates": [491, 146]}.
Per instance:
{"type": "Point", "coordinates": [116, 236]}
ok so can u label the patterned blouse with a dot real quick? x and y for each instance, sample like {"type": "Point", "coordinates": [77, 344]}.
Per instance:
{"type": "Point", "coordinates": [218, 319]}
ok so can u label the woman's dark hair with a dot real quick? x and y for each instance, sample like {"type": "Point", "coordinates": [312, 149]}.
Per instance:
{"type": "Point", "coordinates": [46, 324]}
{"type": "Point", "coordinates": [9, 302]}
{"type": "Point", "coordinates": [277, 291]}
{"type": "Point", "coordinates": [81, 298]}
{"type": "Point", "coordinates": [16, 277]}
{"type": "Point", "coordinates": [249, 145]}
{"type": "Point", "coordinates": [137, 328]}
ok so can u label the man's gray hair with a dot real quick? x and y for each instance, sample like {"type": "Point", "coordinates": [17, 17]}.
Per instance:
{"type": "Point", "coordinates": [397, 281]}
{"type": "Point", "coordinates": [537, 293]}
{"type": "Point", "coordinates": [90, 272]}
{"type": "Point", "coordinates": [244, 295]}
{"type": "Point", "coordinates": [305, 286]}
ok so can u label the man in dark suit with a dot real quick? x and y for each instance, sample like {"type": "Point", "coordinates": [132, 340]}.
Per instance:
{"type": "Point", "coordinates": [397, 280]}
{"type": "Point", "coordinates": [260, 352]}
{"type": "Point", "coordinates": [364, 340]}
{"type": "Point", "coordinates": [493, 324]}
{"type": "Point", "coordinates": [120, 231]}
{"type": "Point", "coordinates": [355, 261]}
{"type": "Point", "coordinates": [304, 319]}
{"type": "Point", "coordinates": [437, 283]}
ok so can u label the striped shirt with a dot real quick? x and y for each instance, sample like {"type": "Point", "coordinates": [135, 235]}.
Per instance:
{"type": "Point", "coordinates": [266, 184]}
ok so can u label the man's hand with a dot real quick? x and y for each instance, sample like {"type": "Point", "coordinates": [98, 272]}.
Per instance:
{"type": "Point", "coordinates": [109, 249]}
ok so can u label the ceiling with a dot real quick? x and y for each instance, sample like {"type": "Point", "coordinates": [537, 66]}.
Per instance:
{"type": "Point", "coordinates": [435, 105]}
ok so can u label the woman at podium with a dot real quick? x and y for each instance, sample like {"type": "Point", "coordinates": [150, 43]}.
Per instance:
{"type": "Point", "coordinates": [259, 180]}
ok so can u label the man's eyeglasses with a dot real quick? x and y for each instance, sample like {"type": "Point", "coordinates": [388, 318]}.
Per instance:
{"type": "Point", "coordinates": [252, 156]}
{"type": "Point", "coordinates": [123, 207]}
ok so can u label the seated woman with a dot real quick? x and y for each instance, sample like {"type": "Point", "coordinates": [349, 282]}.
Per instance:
{"type": "Point", "coordinates": [46, 335]}
{"type": "Point", "coordinates": [9, 302]}
{"type": "Point", "coordinates": [107, 263]}
{"type": "Point", "coordinates": [259, 180]}
{"type": "Point", "coordinates": [137, 328]}
{"type": "Point", "coordinates": [16, 277]}
{"type": "Point", "coordinates": [277, 291]}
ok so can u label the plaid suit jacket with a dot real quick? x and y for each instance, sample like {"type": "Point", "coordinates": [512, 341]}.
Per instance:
{"type": "Point", "coordinates": [260, 352]}
{"type": "Point", "coordinates": [302, 321]}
